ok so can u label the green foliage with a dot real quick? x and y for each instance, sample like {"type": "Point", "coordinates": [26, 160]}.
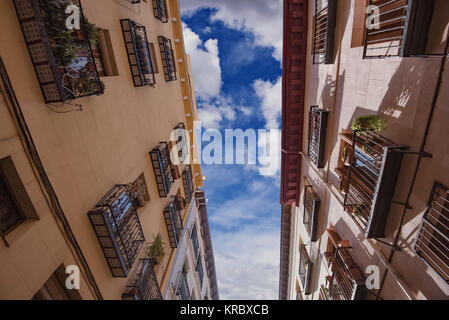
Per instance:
{"type": "Point", "coordinates": [369, 123]}
{"type": "Point", "coordinates": [91, 29]}
{"type": "Point", "coordinates": [156, 249]}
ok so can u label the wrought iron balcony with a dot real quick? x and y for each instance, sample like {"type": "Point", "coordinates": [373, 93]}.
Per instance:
{"type": "Point", "coordinates": [311, 210]}
{"type": "Point", "coordinates": [403, 29]}
{"type": "Point", "coordinates": [118, 229]}
{"type": "Point", "coordinates": [143, 283]}
{"type": "Point", "coordinates": [347, 281]}
{"type": "Point", "coordinates": [372, 168]}
{"type": "Point", "coordinates": [160, 158]}
{"type": "Point", "coordinates": [323, 31]}
{"type": "Point", "coordinates": [173, 221]}
{"type": "Point", "coordinates": [317, 135]}
{"type": "Point", "coordinates": [305, 270]}
{"type": "Point", "coordinates": [432, 243]}
{"type": "Point", "coordinates": [182, 141]}
{"type": "Point", "coordinates": [160, 10]}
{"type": "Point", "coordinates": [183, 290]}
{"type": "Point", "coordinates": [62, 58]}
{"type": "Point", "coordinates": [168, 59]}
{"type": "Point", "coordinates": [139, 55]}
{"type": "Point", "coordinates": [188, 183]}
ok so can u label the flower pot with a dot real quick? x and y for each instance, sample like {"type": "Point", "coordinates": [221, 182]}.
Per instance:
{"type": "Point", "coordinates": [175, 172]}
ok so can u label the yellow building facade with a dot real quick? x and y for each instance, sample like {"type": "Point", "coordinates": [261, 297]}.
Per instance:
{"type": "Point", "coordinates": [84, 148]}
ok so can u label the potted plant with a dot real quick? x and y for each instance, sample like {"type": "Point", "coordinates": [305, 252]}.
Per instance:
{"type": "Point", "coordinates": [156, 249]}
{"type": "Point", "coordinates": [369, 123]}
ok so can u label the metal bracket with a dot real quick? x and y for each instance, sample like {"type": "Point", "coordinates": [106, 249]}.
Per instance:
{"type": "Point", "coordinates": [402, 204]}
{"type": "Point", "coordinates": [395, 247]}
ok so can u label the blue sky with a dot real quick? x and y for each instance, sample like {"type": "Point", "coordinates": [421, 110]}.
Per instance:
{"type": "Point", "coordinates": [235, 48]}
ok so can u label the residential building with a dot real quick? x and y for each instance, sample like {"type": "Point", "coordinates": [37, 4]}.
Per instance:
{"type": "Point", "coordinates": [365, 188]}
{"type": "Point", "coordinates": [97, 144]}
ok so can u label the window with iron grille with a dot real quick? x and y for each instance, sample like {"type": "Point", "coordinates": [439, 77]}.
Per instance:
{"type": "Point", "coordinates": [117, 226]}
{"type": "Point", "coordinates": [139, 54]}
{"type": "Point", "coordinates": [347, 281]}
{"type": "Point", "coordinates": [305, 270]}
{"type": "Point", "coordinates": [143, 283]}
{"type": "Point", "coordinates": [160, 158]}
{"type": "Point", "coordinates": [432, 243]}
{"type": "Point", "coordinates": [160, 10]}
{"type": "Point", "coordinates": [173, 222]}
{"type": "Point", "coordinates": [168, 59]}
{"type": "Point", "coordinates": [403, 28]}
{"type": "Point", "coordinates": [311, 210]}
{"type": "Point", "coordinates": [317, 135]}
{"type": "Point", "coordinates": [323, 31]}
{"type": "Point", "coordinates": [188, 183]}
{"type": "Point", "coordinates": [55, 289]}
{"type": "Point", "coordinates": [372, 165]}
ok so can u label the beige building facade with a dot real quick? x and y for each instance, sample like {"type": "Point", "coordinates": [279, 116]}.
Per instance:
{"type": "Point", "coordinates": [365, 213]}
{"type": "Point", "coordinates": [92, 124]}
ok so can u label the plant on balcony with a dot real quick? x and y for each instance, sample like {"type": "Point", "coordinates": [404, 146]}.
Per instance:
{"type": "Point", "coordinates": [156, 249]}
{"type": "Point", "coordinates": [369, 123]}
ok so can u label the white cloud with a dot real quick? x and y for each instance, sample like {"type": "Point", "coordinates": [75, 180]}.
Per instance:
{"type": "Point", "coordinates": [248, 262]}
{"type": "Point", "coordinates": [261, 18]}
{"type": "Point", "coordinates": [205, 64]}
{"type": "Point", "coordinates": [271, 96]}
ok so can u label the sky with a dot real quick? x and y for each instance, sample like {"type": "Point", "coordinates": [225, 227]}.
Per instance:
{"type": "Point", "coordinates": [235, 48]}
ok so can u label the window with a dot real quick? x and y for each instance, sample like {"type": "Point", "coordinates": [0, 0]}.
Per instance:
{"type": "Point", "coordinates": [54, 288]}
{"type": "Point", "coordinates": [407, 28]}
{"type": "Point", "coordinates": [305, 270]}
{"type": "Point", "coordinates": [323, 31]}
{"type": "Point", "coordinates": [168, 62]}
{"type": "Point", "coordinates": [173, 222]}
{"type": "Point", "coordinates": [432, 243]}
{"type": "Point", "coordinates": [311, 210]}
{"type": "Point", "coordinates": [139, 191]}
{"type": "Point", "coordinates": [153, 57]}
{"type": "Point", "coordinates": [160, 158]}
{"type": "Point", "coordinates": [104, 55]}
{"type": "Point", "coordinates": [15, 205]}
{"type": "Point", "coordinates": [317, 135]}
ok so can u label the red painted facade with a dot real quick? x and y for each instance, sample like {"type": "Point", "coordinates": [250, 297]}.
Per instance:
{"type": "Point", "coordinates": [293, 95]}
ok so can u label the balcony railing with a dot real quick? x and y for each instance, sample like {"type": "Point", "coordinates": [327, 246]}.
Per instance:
{"type": "Point", "coordinates": [183, 290]}
{"type": "Point", "coordinates": [168, 59]}
{"type": "Point", "coordinates": [317, 135]}
{"type": "Point", "coordinates": [173, 221]}
{"type": "Point", "coordinates": [160, 158]}
{"type": "Point", "coordinates": [188, 183]}
{"type": "Point", "coordinates": [432, 243]}
{"type": "Point", "coordinates": [182, 141]}
{"type": "Point", "coordinates": [62, 58]}
{"type": "Point", "coordinates": [139, 56]}
{"type": "Point", "coordinates": [305, 270]}
{"type": "Point", "coordinates": [160, 10]}
{"type": "Point", "coordinates": [347, 281]}
{"type": "Point", "coordinates": [143, 284]}
{"type": "Point", "coordinates": [372, 168]}
{"type": "Point", "coordinates": [199, 269]}
{"type": "Point", "coordinates": [311, 210]}
{"type": "Point", "coordinates": [118, 229]}
{"type": "Point", "coordinates": [323, 31]}
{"type": "Point", "coordinates": [403, 29]}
